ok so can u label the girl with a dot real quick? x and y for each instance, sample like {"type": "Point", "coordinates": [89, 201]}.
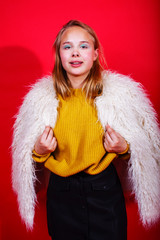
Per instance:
{"type": "Point", "coordinates": [76, 123]}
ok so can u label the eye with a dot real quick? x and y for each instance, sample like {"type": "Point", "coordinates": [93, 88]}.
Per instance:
{"type": "Point", "coordinates": [84, 45]}
{"type": "Point", "coordinates": [67, 46]}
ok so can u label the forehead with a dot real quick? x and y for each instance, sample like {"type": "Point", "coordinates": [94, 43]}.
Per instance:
{"type": "Point", "coordinates": [76, 33]}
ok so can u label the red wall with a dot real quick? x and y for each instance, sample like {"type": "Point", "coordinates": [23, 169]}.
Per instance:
{"type": "Point", "coordinates": [129, 33]}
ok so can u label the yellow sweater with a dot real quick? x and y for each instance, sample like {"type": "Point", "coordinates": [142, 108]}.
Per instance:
{"type": "Point", "coordinates": [79, 136]}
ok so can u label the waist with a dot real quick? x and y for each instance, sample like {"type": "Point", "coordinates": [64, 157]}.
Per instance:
{"type": "Point", "coordinates": [106, 175]}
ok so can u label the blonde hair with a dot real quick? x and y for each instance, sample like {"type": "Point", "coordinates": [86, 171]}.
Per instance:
{"type": "Point", "coordinates": [93, 83]}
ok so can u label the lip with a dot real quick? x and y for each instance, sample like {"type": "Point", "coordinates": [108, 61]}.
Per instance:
{"type": "Point", "coordinates": [76, 63]}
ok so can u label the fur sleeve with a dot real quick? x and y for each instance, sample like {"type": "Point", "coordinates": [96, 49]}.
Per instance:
{"type": "Point", "coordinates": [37, 111]}
{"type": "Point", "coordinates": [126, 107]}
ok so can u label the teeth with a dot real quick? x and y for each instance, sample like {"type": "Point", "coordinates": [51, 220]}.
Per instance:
{"type": "Point", "coordinates": [76, 63]}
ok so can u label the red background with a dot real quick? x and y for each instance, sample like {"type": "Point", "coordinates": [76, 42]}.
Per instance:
{"type": "Point", "coordinates": [129, 33]}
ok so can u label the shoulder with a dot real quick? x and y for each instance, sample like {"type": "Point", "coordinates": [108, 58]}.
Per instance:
{"type": "Point", "coordinates": [39, 105]}
{"type": "Point", "coordinates": [43, 85]}
{"type": "Point", "coordinates": [117, 81]}
{"type": "Point", "coordinates": [121, 85]}
{"type": "Point", "coordinates": [40, 95]}
{"type": "Point", "coordinates": [41, 90]}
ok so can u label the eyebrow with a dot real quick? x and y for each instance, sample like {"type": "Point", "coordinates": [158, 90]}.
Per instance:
{"type": "Point", "coordinates": [68, 42]}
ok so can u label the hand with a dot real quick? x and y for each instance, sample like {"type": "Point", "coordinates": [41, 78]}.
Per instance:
{"type": "Point", "coordinates": [113, 141]}
{"type": "Point", "coordinates": [46, 142]}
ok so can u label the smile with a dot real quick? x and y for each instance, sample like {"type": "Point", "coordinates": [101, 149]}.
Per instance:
{"type": "Point", "coordinates": [76, 63]}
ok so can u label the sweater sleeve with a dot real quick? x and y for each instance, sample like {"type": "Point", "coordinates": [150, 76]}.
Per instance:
{"type": "Point", "coordinates": [125, 151]}
{"type": "Point", "coordinates": [40, 158]}
{"type": "Point", "coordinates": [125, 155]}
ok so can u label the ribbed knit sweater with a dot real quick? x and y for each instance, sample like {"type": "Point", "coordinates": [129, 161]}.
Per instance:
{"type": "Point", "coordinates": [79, 136]}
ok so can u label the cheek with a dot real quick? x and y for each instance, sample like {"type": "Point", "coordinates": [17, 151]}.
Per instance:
{"type": "Point", "coordinates": [89, 57]}
{"type": "Point", "coordinates": [63, 57]}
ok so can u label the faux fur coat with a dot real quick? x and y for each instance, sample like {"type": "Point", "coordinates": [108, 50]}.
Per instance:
{"type": "Point", "coordinates": [125, 107]}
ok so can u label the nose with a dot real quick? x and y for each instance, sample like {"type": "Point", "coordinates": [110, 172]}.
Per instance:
{"type": "Point", "coordinates": [75, 53]}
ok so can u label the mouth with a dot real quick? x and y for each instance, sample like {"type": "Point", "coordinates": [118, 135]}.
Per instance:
{"type": "Point", "coordinates": [76, 63]}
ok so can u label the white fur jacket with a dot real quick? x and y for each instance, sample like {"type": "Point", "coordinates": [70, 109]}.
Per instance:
{"type": "Point", "coordinates": [125, 107]}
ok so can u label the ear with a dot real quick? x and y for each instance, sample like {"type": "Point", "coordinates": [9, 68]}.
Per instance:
{"type": "Point", "coordinates": [96, 53]}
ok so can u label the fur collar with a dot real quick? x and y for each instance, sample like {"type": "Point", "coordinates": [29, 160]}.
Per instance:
{"type": "Point", "coordinates": [125, 107]}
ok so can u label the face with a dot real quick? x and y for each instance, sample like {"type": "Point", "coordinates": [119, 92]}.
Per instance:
{"type": "Point", "coordinates": [77, 52]}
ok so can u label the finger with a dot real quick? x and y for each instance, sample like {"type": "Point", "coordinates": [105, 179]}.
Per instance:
{"type": "Point", "coordinates": [107, 138]}
{"type": "Point", "coordinates": [106, 146]}
{"type": "Point", "coordinates": [111, 134]}
{"type": "Point", "coordinates": [53, 141]}
{"type": "Point", "coordinates": [107, 141]}
{"type": "Point", "coordinates": [45, 133]}
{"type": "Point", "coordinates": [50, 136]}
{"type": "Point", "coordinates": [54, 144]}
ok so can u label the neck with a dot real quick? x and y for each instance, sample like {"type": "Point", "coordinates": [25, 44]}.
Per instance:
{"type": "Point", "coordinates": [77, 81]}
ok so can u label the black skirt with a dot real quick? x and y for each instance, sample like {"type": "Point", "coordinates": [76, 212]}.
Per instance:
{"type": "Point", "coordinates": [86, 207]}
